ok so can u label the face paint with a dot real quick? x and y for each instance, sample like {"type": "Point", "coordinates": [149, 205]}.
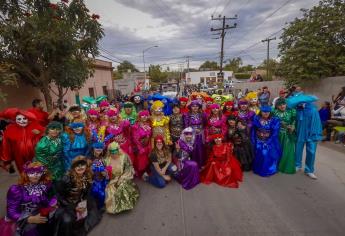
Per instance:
{"type": "Point", "coordinates": [22, 120]}
{"type": "Point", "coordinates": [114, 151]}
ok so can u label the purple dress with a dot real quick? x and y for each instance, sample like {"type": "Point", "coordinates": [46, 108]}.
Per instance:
{"type": "Point", "coordinates": [197, 123]}
{"type": "Point", "coordinates": [247, 116]}
{"type": "Point", "coordinates": [188, 170]}
{"type": "Point", "coordinates": [24, 201]}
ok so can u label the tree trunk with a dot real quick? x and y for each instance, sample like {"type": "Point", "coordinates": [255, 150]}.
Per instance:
{"type": "Point", "coordinates": [47, 97]}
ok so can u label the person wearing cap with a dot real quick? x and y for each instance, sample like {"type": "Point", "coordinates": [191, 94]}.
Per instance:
{"type": "Point", "coordinates": [222, 167]}
{"type": "Point", "coordinates": [243, 149]}
{"type": "Point", "coordinates": [141, 136]}
{"type": "Point", "coordinates": [187, 170]}
{"type": "Point", "coordinates": [265, 141]}
{"type": "Point", "coordinates": [49, 150]}
{"type": "Point", "coordinates": [20, 138]}
{"type": "Point", "coordinates": [120, 129]}
{"type": "Point", "coordinates": [77, 213]}
{"type": "Point", "coordinates": [160, 123]}
{"type": "Point", "coordinates": [308, 130]}
{"type": "Point", "coordinates": [196, 119]}
{"type": "Point", "coordinates": [287, 136]}
{"type": "Point", "coordinates": [122, 193]}
{"type": "Point", "coordinates": [282, 94]}
{"type": "Point", "coordinates": [162, 168]}
{"type": "Point", "coordinates": [129, 113]}
{"type": "Point", "coordinates": [30, 205]}
{"type": "Point", "coordinates": [75, 142]}
{"type": "Point", "coordinates": [176, 123]}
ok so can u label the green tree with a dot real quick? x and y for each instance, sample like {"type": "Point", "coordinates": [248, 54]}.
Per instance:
{"type": "Point", "coordinates": [157, 75]}
{"type": "Point", "coordinates": [246, 68]}
{"type": "Point", "coordinates": [49, 43]}
{"type": "Point", "coordinates": [313, 46]}
{"type": "Point", "coordinates": [124, 67]}
{"type": "Point", "coordinates": [234, 64]}
{"type": "Point", "coordinates": [7, 78]}
{"type": "Point", "coordinates": [209, 65]}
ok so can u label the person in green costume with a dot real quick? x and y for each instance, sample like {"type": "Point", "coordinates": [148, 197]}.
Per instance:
{"type": "Point", "coordinates": [129, 112]}
{"type": "Point", "coordinates": [287, 136]}
{"type": "Point", "coordinates": [49, 151]}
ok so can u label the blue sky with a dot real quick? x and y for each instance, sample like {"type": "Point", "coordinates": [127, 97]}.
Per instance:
{"type": "Point", "coordinates": [182, 28]}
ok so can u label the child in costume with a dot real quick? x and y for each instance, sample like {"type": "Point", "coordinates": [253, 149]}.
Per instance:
{"type": "Point", "coordinates": [196, 119]}
{"type": "Point", "coordinates": [129, 113]}
{"type": "Point", "coordinates": [160, 122]}
{"type": "Point", "coordinates": [222, 167]}
{"type": "Point", "coordinates": [265, 140]}
{"type": "Point", "coordinates": [75, 142]}
{"type": "Point", "coordinates": [20, 138]}
{"type": "Point", "coordinates": [77, 213]}
{"type": "Point", "coordinates": [29, 204]}
{"type": "Point", "coordinates": [187, 170]}
{"type": "Point", "coordinates": [49, 151]}
{"type": "Point", "coordinates": [287, 136]}
{"type": "Point", "coordinates": [141, 136]}
{"type": "Point", "coordinates": [122, 194]}
{"type": "Point", "coordinates": [162, 168]}
{"type": "Point", "coordinates": [243, 149]}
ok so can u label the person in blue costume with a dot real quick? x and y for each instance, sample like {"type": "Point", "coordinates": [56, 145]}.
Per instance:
{"type": "Point", "coordinates": [265, 141]}
{"type": "Point", "coordinates": [308, 128]}
{"type": "Point", "coordinates": [166, 101]}
{"type": "Point", "coordinates": [75, 142]}
{"type": "Point", "coordinates": [101, 174]}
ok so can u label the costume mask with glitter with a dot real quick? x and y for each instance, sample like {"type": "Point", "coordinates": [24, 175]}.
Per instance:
{"type": "Point", "coordinates": [137, 99]}
{"type": "Point", "coordinates": [22, 120]}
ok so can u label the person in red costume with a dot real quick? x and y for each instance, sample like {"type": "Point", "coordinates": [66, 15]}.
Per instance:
{"type": "Point", "coordinates": [20, 137]}
{"type": "Point", "coordinates": [229, 110]}
{"type": "Point", "coordinates": [183, 105]}
{"type": "Point", "coordinates": [42, 117]}
{"type": "Point", "coordinates": [222, 167]}
{"type": "Point", "coordinates": [209, 102]}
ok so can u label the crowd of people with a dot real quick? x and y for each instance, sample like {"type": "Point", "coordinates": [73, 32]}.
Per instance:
{"type": "Point", "coordinates": [80, 161]}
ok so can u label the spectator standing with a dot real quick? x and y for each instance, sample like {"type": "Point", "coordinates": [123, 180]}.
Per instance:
{"type": "Point", "coordinates": [264, 96]}
{"type": "Point", "coordinates": [282, 94]}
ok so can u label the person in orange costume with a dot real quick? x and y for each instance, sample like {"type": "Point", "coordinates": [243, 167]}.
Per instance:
{"type": "Point", "coordinates": [20, 138]}
{"type": "Point", "coordinates": [222, 167]}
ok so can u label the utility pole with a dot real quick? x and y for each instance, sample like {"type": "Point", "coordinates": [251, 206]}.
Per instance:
{"type": "Point", "coordinates": [185, 81]}
{"type": "Point", "coordinates": [222, 36]}
{"type": "Point", "coordinates": [268, 53]}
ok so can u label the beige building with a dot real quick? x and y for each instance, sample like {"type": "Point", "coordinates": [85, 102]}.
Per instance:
{"type": "Point", "coordinates": [101, 83]}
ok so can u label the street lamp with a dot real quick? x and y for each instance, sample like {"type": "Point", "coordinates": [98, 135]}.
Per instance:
{"type": "Point", "coordinates": [146, 84]}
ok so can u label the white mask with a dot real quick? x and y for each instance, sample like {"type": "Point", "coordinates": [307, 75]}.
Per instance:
{"type": "Point", "coordinates": [21, 120]}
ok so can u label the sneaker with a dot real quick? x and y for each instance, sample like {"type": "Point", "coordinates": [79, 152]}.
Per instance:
{"type": "Point", "coordinates": [311, 175]}
{"type": "Point", "coordinates": [145, 177]}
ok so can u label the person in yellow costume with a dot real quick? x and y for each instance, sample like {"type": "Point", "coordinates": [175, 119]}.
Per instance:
{"type": "Point", "coordinates": [252, 98]}
{"type": "Point", "coordinates": [160, 122]}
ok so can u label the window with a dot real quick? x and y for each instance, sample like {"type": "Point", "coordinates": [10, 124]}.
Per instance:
{"type": "Point", "coordinates": [202, 80]}
{"type": "Point", "coordinates": [92, 92]}
{"type": "Point", "coordinates": [105, 90]}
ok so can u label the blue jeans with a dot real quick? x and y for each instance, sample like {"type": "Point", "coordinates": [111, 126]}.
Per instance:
{"type": "Point", "coordinates": [157, 180]}
{"type": "Point", "coordinates": [310, 157]}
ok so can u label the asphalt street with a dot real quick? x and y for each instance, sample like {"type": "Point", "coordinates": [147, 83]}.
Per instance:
{"type": "Point", "coordinates": [278, 205]}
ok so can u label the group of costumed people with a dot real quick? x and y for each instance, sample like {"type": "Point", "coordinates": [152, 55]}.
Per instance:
{"type": "Point", "coordinates": [72, 172]}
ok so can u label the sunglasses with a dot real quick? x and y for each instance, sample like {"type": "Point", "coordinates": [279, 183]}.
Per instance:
{"type": "Point", "coordinates": [35, 174]}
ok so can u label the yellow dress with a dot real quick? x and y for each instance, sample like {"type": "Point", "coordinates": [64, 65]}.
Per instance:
{"type": "Point", "coordinates": [121, 193]}
{"type": "Point", "coordinates": [161, 127]}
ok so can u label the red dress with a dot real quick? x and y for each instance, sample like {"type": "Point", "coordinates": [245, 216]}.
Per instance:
{"type": "Point", "coordinates": [222, 167]}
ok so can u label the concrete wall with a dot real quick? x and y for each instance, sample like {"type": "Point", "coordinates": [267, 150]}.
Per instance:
{"type": "Point", "coordinates": [195, 77]}
{"type": "Point", "coordinates": [273, 86]}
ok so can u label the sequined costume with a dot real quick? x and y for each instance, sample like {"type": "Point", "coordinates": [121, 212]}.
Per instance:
{"type": "Point", "coordinates": [132, 117]}
{"type": "Point", "coordinates": [160, 123]}
{"type": "Point", "coordinates": [243, 149]}
{"type": "Point", "coordinates": [265, 141]}
{"type": "Point", "coordinates": [176, 126]}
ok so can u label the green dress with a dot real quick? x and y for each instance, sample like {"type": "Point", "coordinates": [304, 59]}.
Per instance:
{"type": "Point", "coordinates": [49, 152]}
{"type": "Point", "coordinates": [121, 193]}
{"type": "Point", "coordinates": [287, 140]}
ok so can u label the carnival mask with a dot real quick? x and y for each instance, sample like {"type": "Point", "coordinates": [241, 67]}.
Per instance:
{"type": "Point", "coordinates": [137, 99]}
{"type": "Point", "coordinates": [22, 120]}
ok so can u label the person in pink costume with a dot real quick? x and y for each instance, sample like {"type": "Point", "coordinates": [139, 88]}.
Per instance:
{"type": "Point", "coordinates": [121, 131]}
{"type": "Point", "coordinates": [92, 122]}
{"type": "Point", "coordinates": [141, 136]}
{"type": "Point", "coordinates": [215, 123]}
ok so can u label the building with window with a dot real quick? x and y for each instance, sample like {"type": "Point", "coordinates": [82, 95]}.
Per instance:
{"type": "Point", "coordinates": [207, 78]}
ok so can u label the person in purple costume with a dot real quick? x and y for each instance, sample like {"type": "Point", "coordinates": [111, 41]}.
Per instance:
{"type": "Point", "coordinates": [187, 170]}
{"type": "Point", "coordinates": [196, 119]}
{"type": "Point", "coordinates": [28, 204]}
{"type": "Point", "coordinates": [244, 113]}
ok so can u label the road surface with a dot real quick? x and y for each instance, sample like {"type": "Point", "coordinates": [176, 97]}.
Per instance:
{"type": "Point", "coordinates": [279, 205]}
